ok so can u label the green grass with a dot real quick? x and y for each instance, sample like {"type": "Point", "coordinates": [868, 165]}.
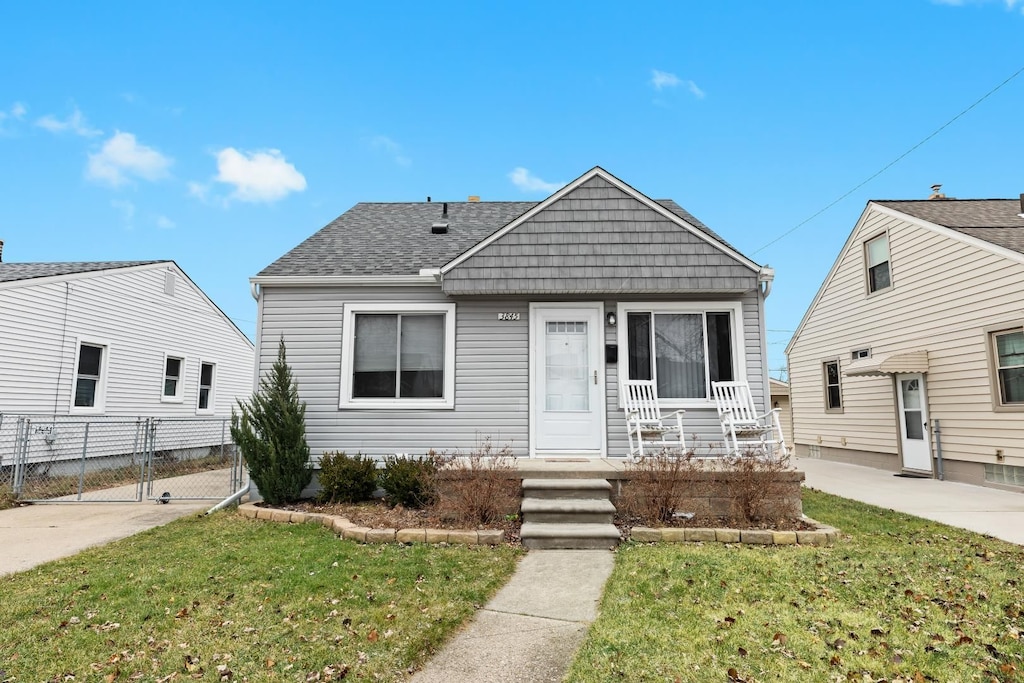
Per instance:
{"type": "Point", "coordinates": [898, 598]}
{"type": "Point", "coordinates": [265, 601]}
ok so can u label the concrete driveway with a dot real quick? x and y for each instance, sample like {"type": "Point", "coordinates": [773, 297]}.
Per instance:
{"type": "Point", "coordinates": [34, 534]}
{"type": "Point", "coordinates": [985, 510]}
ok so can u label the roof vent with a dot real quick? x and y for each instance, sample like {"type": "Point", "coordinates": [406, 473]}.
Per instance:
{"type": "Point", "coordinates": [440, 228]}
{"type": "Point", "coordinates": [474, 198]}
{"type": "Point", "coordinates": [2, 242]}
{"type": "Point", "coordinates": [1021, 214]}
{"type": "Point", "coordinates": [937, 192]}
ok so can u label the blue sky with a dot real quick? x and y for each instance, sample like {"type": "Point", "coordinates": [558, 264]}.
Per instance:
{"type": "Point", "coordinates": [222, 134]}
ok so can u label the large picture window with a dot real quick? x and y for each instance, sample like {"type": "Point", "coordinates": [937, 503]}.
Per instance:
{"type": "Point", "coordinates": [682, 347]}
{"type": "Point", "coordinates": [398, 356]}
{"type": "Point", "coordinates": [1008, 354]}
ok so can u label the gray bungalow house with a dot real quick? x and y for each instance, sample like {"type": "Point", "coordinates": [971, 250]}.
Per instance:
{"type": "Point", "coordinates": [429, 325]}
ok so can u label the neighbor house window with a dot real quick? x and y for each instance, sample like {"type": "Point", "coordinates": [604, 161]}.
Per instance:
{"type": "Point", "coordinates": [833, 390]}
{"type": "Point", "coordinates": [398, 356]}
{"type": "Point", "coordinates": [173, 384]}
{"type": "Point", "coordinates": [682, 347]}
{"type": "Point", "coordinates": [859, 354]}
{"type": "Point", "coordinates": [876, 251]}
{"type": "Point", "coordinates": [206, 377]}
{"type": "Point", "coordinates": [89, 376]}
{"type": "Point", "coordinates": [1008, 354]}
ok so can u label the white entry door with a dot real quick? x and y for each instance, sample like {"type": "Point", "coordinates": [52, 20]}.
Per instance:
{"type": "Point", "coordinates": [913, 417]}
{"type": "Point", "coordinates": [567, 380]}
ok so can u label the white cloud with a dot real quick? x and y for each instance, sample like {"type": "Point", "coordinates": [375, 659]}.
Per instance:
{"type": "Point", "coordinates": [262, 176]}
{"type": "Point", "coordinates": [198, 190]}
{"type": "Point", "coordinates": [16, 112]}
{"type": "Point", "coordinates": [126, 209]}
{"type": "Point", "coordinates": [385, 144]}
{"type": "Point", "coordinates": [527, 182]}
{"type": "Point", "coordinates": [74, 123]}
{"type": "Point", "coordinates": [661, 80]}
{"type": "Point", "coordinates": [165, 223]}
{"type": "Point", "coordinates": [1010, 5]}
{"type": "Point", "coordinates": [122, 157]}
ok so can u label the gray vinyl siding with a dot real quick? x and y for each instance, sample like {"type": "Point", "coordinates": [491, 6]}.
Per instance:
{"type": "Point", "coordinates": [598, 240]}
{"type": "Point", "coordinates": [129, 311]}
{"type": "Point", "coordinates": [491, 392]}
{"type": "Point", "coordinates": [491, 382]}
{"type": "Point", "coordinates": [945, 296]}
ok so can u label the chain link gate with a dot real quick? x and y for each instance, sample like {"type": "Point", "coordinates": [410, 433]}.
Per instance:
{"type": "Point", "coordinates": [118, 459]}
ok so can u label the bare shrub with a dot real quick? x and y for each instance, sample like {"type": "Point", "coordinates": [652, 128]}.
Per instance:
{"type": "Point", "coordinates": [478, 488]}
{"type": "Point", "coordinates": [752, 487]}
{"type": "Point", "coordinates": [665, 484]}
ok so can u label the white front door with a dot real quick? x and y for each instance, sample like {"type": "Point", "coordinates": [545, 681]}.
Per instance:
{"type": "Point", "coordinates": [567, 380]}
{"type": "Point", "coordinates": [913, 417]}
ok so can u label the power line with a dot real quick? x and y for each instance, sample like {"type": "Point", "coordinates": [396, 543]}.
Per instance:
{"type": "Point", "coordinates": [891, 163]}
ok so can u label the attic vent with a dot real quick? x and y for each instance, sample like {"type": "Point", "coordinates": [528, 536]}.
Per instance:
{"type": "Point", "coordinates": [440, 228]}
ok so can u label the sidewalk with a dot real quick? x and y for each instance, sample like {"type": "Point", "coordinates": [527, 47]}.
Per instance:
{"type": "Point", "coordinates": [532, 627]}
{"type": "Point", "coordinates": [976, 508]}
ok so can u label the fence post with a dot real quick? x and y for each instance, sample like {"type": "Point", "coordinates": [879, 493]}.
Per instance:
{"type": "Point", "coordinates": [150, 429]}
{"type": "Point", "coordinates": [19, 457]}
{"type": "Point", "coordinates": [81, 470]}
{"type": "Point", "coordinates": [142, 460]}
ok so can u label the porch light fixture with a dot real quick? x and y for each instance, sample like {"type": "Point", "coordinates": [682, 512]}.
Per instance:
{"type": "Point", "coordinates": [610, 319]}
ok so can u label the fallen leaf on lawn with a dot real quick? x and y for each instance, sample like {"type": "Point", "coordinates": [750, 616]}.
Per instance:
{"type": "Point", "coordinates": [373, 636]}
{"type": "Point", "coordinates": [780, 638]}
{"type": "Point", "coordinates": [742, 651]}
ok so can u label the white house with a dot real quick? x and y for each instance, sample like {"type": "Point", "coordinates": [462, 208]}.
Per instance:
{"type": "Point", "coordinates": [134, 338]}
{"type": "Point", "coordinates": [911, 355]}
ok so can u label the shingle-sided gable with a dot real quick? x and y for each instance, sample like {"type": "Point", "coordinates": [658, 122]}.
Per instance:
{"type": "Point", "coordinates": [599, 239]}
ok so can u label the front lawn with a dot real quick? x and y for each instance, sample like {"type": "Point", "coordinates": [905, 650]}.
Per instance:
{"type": "Point", "coordinates": [898, 598]}
{"type": "Point", "coordinates": [228, 598]}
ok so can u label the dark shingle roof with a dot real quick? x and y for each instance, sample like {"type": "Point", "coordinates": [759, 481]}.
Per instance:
{"type": "Point", "coordinates": [10, 272]}
{"type": "Point", "coordinates": [993, 220]}
{"type": "Point", "coordinates": [395, 238]}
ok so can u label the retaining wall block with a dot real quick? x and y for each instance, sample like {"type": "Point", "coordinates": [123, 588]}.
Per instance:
{"type": "Point", "coordinates": [727, 535]}
{"type": "Point", "coordinates": [695, 535]}
{"type": "Point", "coordinates": [465, 537]}
{"type": "Point", "coordinates": [355, 533]}
{"type": "Point", "coordinates": [757, 537]}
{"type": "Point", "coordinates": [411, 535]}
{"type": "Point", "coordinates": [380, 535]}
{"type": "Point", "coordinates": [491, 537]}
{"type": "Point", "coordinates": [642, 534]}
{"type": "Point", "coordinates": [784, 537]}
{"type": "Point", "coordinates": [435, 535]}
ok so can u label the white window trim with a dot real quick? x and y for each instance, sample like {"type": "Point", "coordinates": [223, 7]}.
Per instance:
{"type": "Point", "coordinates": [179, 396]}
{"type": "Point", "coordinates": [739, 353]}
{"type": "Point", "coordinates": [993, 363]}
{"type": "Point", "coordinates": [212, 404]}
{"type": "Point", "coordinates": [101, 387]}
{"type": "Point", "coordinates": [348, 349]}
{"type": "Point", "coordinates": [888, 259]}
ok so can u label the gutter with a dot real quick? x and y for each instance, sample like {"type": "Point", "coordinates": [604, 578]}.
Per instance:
{"type": "Point", "coordinates": [764, 280]}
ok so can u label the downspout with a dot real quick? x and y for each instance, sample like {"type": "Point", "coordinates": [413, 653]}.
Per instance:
{"type": "Point", "coordinates": [764, 280]}
{"type": "Point", "coordinates": [254, 290]}
{"type": "Point", "coordinates": [938, 451]}
{"type": "Point", "coordinates": [230, 500]}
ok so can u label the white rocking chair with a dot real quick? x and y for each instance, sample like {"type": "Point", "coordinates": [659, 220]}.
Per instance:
{"type": "Point", "coordinates": [645, 423]}
{"type": "Point", "coordinates": [744, 430]}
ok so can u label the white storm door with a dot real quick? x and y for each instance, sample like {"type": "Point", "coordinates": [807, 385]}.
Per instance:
{"type": "Point", "coordinates": [913, 418]}
{"type": "Point", "coordinates": [567, 380]}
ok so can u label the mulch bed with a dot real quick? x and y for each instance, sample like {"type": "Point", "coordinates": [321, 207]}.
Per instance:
{"type": "Point", "coordinates": [377, 514]}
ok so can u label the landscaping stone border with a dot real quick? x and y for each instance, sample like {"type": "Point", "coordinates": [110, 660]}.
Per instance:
{"type": "Point", "coordinates": [353, 532]}
{"type": "Point", "coordinates": [822, 535]}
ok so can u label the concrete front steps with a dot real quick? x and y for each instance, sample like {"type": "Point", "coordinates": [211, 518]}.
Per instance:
{"type": "Point", "coordinates": [571, 514]}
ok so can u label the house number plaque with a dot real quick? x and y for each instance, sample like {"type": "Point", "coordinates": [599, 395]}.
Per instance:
{"type": "Point", "coordinates": [508, 316]}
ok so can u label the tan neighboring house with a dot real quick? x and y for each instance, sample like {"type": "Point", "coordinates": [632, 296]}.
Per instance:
{"type": "Point", "coordinates": [780, 401]}
{"type": "Point", "coordinates": [911, 356]}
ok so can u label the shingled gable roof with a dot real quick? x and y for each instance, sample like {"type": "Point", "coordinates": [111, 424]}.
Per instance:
{"type": "Point", "coordinates": [984, 221]}
{"type": "Point", "coordinates": [395, 239]}
{"type": "Point", "coordinates": [997, 221]}
{"type": "Point", "coordinates": [677, 215]}
{"type": "Point", "coordinates": [14, 272]}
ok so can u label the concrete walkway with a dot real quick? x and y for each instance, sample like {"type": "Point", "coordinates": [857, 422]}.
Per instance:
{"type": "Point", "coordinates": [976, 508]}
{"type": "Point", "coordinates": [533, 626]}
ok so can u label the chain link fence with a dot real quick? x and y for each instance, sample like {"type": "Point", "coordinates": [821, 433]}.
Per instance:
{"type": "Point", "coordinates": [61, 459]}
